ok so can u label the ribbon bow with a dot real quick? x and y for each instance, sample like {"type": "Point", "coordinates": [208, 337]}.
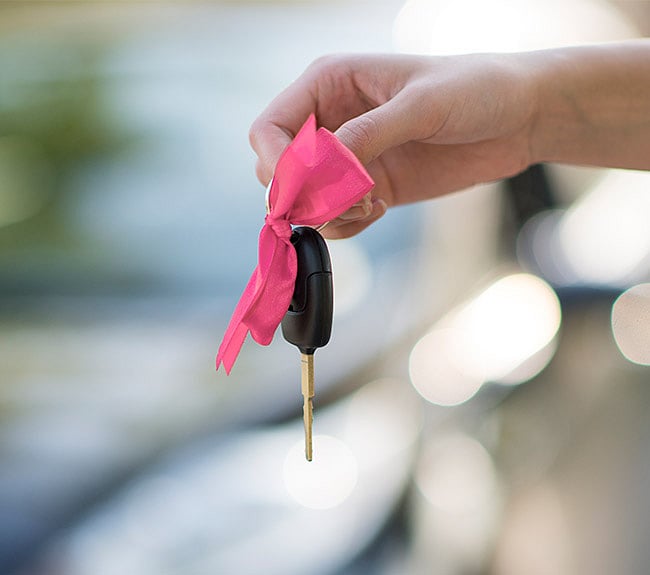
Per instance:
{"type": "Point", "coordinates": [316, 179]}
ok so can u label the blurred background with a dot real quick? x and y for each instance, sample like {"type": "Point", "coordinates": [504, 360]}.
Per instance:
{"type": "Point", "coordinates": [484, 405]}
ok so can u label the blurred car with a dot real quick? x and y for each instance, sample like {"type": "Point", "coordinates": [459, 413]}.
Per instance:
{"type": "Point", "coordinates": [129, 214]}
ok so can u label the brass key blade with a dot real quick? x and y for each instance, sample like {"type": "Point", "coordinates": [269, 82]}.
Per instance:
{"type": "Point", "coordinates": [307, 364]}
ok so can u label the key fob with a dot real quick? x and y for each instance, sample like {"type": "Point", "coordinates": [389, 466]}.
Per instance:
{"type": "Point", "coordinates": [308, 322]}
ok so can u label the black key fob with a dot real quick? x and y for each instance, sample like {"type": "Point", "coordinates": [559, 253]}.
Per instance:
{"type": "Point", "coordinates": [308, 322]}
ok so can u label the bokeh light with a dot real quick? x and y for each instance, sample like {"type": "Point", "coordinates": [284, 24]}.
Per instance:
{"type": "Point", "coordinates": [456, 475]}
{"type": "Point", "coordinates": [465, 26]}
{"type": "Point", "coordinates": [631, 323]}
{"type": "Point", "coordinates": [352, 274]}
{"type": "Point", "coordinates": [539, 249]}
{"type": "Point", "coordinates": [436, 372]}
{"type": "Point", "coordinates": [327, 480]}
{"type": "Point", "coordinates": [391, 402]}
{"type": "Point", "coordinates": [511, 321]}
{"type": "Point", "coordinates": [459, 504]}
{"type": "Point", "coordinates": [505, 335]}
{"type": "Point", "coordinates": [604, 235]}
{"type": "Point", "coordinates": [537, 532]}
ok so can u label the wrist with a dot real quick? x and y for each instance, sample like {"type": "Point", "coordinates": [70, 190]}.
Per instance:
{"type": "Point", "coordinates": [592, 105]}
{"type": "Point", "coordinates": [550, 120]}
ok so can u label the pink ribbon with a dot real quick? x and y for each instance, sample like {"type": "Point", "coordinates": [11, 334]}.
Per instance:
{"type": "Point", "coordinates": [316, 179]}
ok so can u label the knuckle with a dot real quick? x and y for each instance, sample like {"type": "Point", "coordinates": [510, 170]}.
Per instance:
{"type": "Point", "coordinates": [329, 64]}
{"type": "Point", "coordinates": [361, 135]}
{"type": "Point", "coordinates": [262, 173]}
{"type": "Point", "coordinates": [254, 134]}
{"type": "Point", "coordinates": [322, 62]}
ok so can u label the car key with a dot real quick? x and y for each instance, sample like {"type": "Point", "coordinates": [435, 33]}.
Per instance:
{"type": "Point", "coordinates": [308, 322]}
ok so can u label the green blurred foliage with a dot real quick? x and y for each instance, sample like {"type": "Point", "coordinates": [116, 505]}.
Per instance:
{"type": "Point", "coordinates": [53, 121]}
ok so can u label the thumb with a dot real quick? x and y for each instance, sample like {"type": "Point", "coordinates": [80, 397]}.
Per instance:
{"type": "Point", "coordinates": [377, 130]}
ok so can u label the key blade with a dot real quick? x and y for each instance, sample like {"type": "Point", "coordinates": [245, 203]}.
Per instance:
{"type": "Point", "coordinates": [307, 384]}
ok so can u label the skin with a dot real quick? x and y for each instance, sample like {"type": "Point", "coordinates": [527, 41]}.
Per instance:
{"type": "Point", "coordinates": [425, 126]}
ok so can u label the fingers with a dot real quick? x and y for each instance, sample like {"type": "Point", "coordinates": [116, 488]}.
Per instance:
{"type": "Point", "coordinates": [268, 149]}
{"type": "Point", "coordinates": [369, 110]}
{"type": "Point", "coordinates": [358, 211]}
{"type": "Point", "coordinates": [274, 129]}
{"type": "Point", "coordinates": [379, 129]}
{"type": "Point", "coordinates": [340, 91]}
{"type": "Point", "coordinates": [342, 227]}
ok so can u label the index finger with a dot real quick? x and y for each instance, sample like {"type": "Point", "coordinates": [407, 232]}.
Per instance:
{"type": "Point", "coordinates": [278, 124]}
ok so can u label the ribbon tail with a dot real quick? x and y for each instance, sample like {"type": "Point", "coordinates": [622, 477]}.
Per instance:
{"type": "Point", "coordinates": [265, 299]}
{"type": "Point", "coordinates": [278, 266]}
{"type": "Point", "coordinates": [237, 330]}
{"type": "Point", "coordinates": [230, 347]}
{"type": "Point", "coordinates": [317, 178]}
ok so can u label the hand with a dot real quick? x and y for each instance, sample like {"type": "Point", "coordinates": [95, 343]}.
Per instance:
{"type": "Point", "coordinates": [422, 126]}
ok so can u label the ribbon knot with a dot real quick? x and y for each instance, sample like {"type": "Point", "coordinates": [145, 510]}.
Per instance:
{"type": "Point", "coordinates": [281, 227]}
{"type": "Point", "coordinates": [316, 179]}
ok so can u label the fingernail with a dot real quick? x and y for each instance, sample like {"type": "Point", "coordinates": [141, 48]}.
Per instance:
{"type": "Point", "coordinates": [357, 212]}
{"type": "Point", "coordinates": [379, 206]}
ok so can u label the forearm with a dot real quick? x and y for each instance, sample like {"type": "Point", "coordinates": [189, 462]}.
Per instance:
{"type": "Point", "coordinates": [593, 106]}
